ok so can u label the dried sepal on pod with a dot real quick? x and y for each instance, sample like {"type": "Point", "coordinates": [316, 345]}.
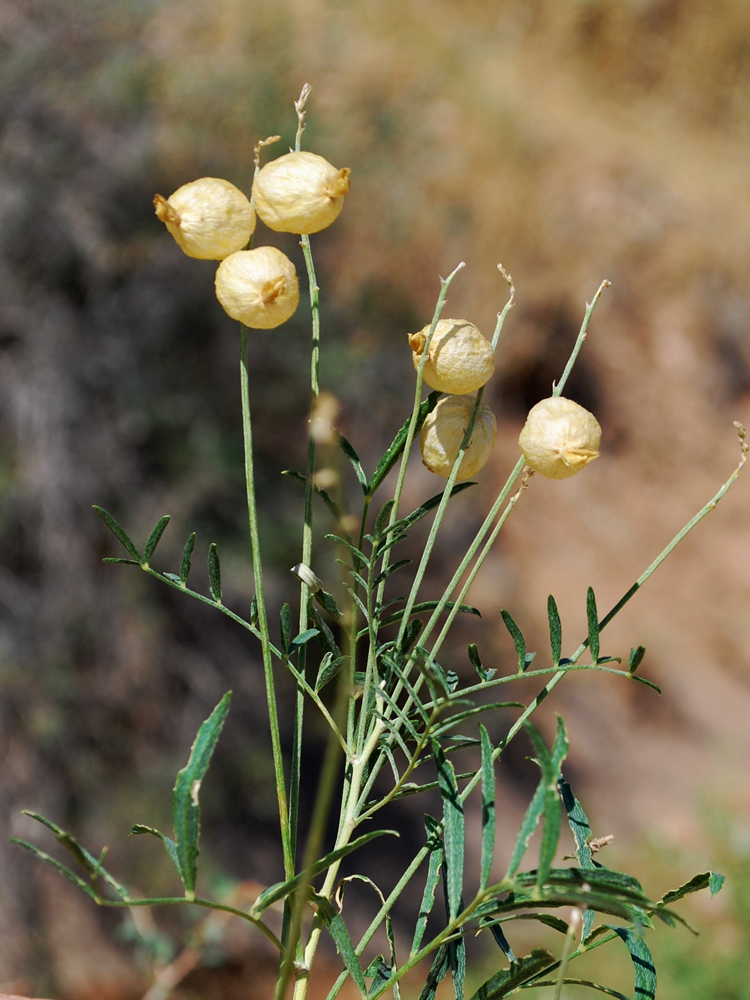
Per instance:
{"type": "Point", "coordinates": [299, 192]}
{"type": "Point", "coordinates": [258, 287]}
{"type": "Point", "coordinates": [559, 437]}
{"type": "Point", "coordinates": [459, 358]}
{"type": "Point", "coordinates": [209, 218]}
{"type": "Point", "coordinates": [444, 429]}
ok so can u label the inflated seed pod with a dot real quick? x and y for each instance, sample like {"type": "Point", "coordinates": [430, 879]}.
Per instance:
{"type": "Point", "coordinates": [559, 437]}
{"type": "Point", "coordinates": [443, 432]}
{"type": "Point", "coordinates": [258, 287]}
{"type": "Point", "coordinates": [209, 218]}
{"type": "Point", "coordinates": [299, 193]}
{"type": "Point", "coordinates": [459, 358]}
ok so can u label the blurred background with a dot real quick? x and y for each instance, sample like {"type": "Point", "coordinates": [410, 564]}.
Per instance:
{"type": "Point", "coordinates": [571, 140]}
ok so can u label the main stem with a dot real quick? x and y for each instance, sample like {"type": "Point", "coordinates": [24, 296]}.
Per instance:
{"type": "Point", "coordinates": [252, 513]}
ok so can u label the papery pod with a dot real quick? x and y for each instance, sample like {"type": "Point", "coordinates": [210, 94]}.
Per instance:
{"type": "Point", "coordinates": [258, 287]}
{"type": "Point", "coordinates": [459, 358]}
{"type": "Point", "coordinates": [559, 437]}
{"type": "Point", "coordinates": [443, 432]}
{"type": "Point", "coordinates": [209, 218]}
{"type": "Point", "coordinates": [299, 193]}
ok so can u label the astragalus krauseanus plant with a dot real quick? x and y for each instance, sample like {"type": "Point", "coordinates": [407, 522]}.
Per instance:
{"type": "Point", "coordinates": [372, 665]}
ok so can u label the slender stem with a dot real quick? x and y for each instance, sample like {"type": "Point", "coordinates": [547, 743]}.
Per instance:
{"type": "Point", "coordinates": [590, 306]}
{"type": "Point", "coordinates": [573, 927]}
{"type": "Point", "coordinates": [206, 903]}
{"type": "Point", "coordinates": [307, 542]}
{"type": "Point", "coordinates": [252, 513]}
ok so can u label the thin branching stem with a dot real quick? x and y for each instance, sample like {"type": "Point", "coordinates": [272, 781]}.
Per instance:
{"type": "Point", "coordinates": [252, 512]}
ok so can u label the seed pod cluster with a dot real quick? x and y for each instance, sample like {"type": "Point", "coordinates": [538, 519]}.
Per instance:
{"type": "Point", "coordinates": [213, 220]}
{"type": "Point", "coordinates": [459, 358]}
{"type": "Point", "coordinates": [444, 429]}
{"type": "Point", "coordinates": [560, 438]}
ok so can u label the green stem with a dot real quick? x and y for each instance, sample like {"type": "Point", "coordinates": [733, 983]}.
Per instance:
{"type": "Point", "coordinates": [307, 542]}
{"type": "Point", "coordinates": [252, 513]}
{"type": "Point", "coordinates": [206, 903]}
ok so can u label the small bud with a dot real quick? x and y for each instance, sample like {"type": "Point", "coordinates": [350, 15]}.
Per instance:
{"type": "Point", "coordinates": [258, 287]}
{"type": "Point", "coordinates": [443, 432]}
{"type": "Point", "coordinates": [559, 438]}
{"type": "Point", "coordinates": [306, 575]}
{"type": "Point", "coordinates": [299, 193]}
{"type": "Point", "coordinates": [459, 358]}
{"type": "Point", "coordinates": [209, 218]}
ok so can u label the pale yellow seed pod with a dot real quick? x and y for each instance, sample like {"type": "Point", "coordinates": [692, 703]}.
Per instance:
{"type": "Point", "coordinates": [459, 358]}
{"type": "Point", "coordinates": [443, 432]}
{"type": "Point", "coordinates": [299, 193]}
{"type": "Point", "coordinates": [209, 218]}
{"type": "Point", "coordinates": [560, 437]}
{"type": "Point", "coordinates": [258, 287]}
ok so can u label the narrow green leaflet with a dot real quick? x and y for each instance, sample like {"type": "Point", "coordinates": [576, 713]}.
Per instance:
{"type": "Point", "coordinates": [579, 824]}
{"type": "Point", "coordinates": [329, 668]}
{"type": "Point", "coordinates": [582, 982]}
{"type": "Point", "coordinates": [505, 982]}
{"type": "Point", "coordinates": [281, 890]}
{"type": "Point", "coordinates": [643, 962]}
{"type": "Point", "coordinates": [502, 942]}
{"type": "Point", "coordinates": [359, 556]}
{"type": "Point", "coordinates": [393, 568]}
{"type": "Point", "coordinates": [185, 805]}
{"type": "Point", "coordinates": [324, 495]}
{"type": "Point", "coordinates": [716, 882]}
{"type": "Point", "coordinates": [326, 638]}
{"type": "Point", "coordinates": [214, 572]}
{"type": "Point", "coordinates": [169, 844]}
{"type": "Point", "coordinates": [302, 639]}
{"type": "Point", "coordinates": [154, 538]}
{"type": "Point", "coordinates": [524, 658]}
{"type": "Point", "coordinates": [91, 865]}
{"type": "Point", "coordinates": [545, 802]}
{"type": "Point", "coordinates": [438, 972]}
{"type": "Point", "coordinates": [381, 521]}
{"type": "Point", "coordinates": [285, 627]}
{"type": "Point", "coordinates": [60, 868]}
{"type": "Point", "coordinates": [434, 866]}
{"type": "Point", "coordinates": [393, 453]}
{"type": "Point", "coordinates": [430, 606]}
{"type": "Point", "coordinates": [550, 765]}
{"type": "Point", "coordinates": [475, 659]}
{"type": "Point", "coordinates": [187, 555]}
{"type": "Point", "coordinates": [337, 929]}
{"type": "Point", "coordinates": [425, 508]}
{"type": "Point", "coordinates": [488, 809]}
{"type": "Point", "coordinates": [453, 827]}
{"type": "Point", "coordinates": [328, 603]}
{"type": "Point", "coordinates": [555, 630]}
{"type": "Point", "coordinates": [379, 971]}
{"type": "Point", "coordinates": [705, 880]}
{"type": "Point", "coordinates": [457, 959]}
{"type": "Point", "coordinates": [528, 826]}
{"type": "Point", "coordinates": [354, 459]}
{"type": "Point", "coordinates": [592, 617]}
{"type": "Point", "coordinates": [119, 532]}
{"type": "Point", "coordinates": [635, 658]}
